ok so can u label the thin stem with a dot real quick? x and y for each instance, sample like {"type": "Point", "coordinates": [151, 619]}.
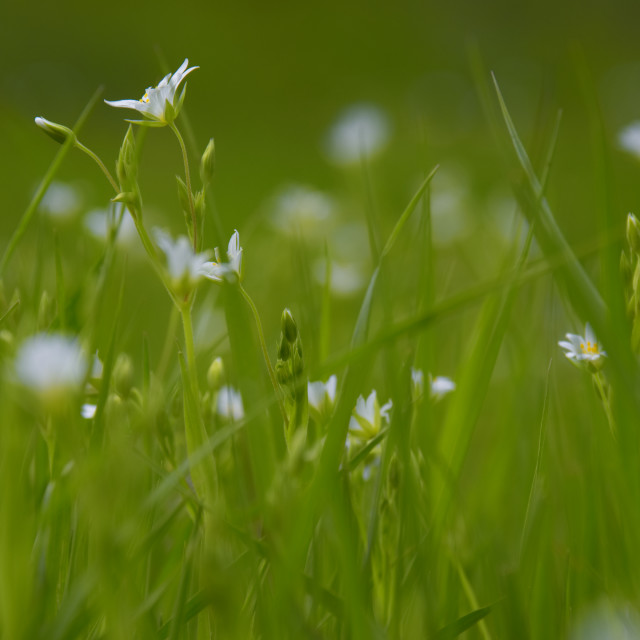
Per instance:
{"type": "Point", "coordinates": [265, 353]}
{"type": "Point", "coordinates": [187, 176]}
{"type": "Point", "coordinates": [169, 342]}
{"type": "Point", "coordinates": [103, 168]}
{"type": "Point", "coordinates": [185, 309]}
{"type": "Point", "coordinates": [605, 403]}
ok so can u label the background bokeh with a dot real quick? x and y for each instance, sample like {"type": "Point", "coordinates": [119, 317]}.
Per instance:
{"type": "Point", "coordinates": [274, 77]}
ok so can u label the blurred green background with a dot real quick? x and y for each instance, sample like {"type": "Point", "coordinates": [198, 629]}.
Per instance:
{"type": "Point", "coordinates": [273, 78]}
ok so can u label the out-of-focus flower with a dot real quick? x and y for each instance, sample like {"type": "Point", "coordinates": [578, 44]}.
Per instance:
{"type": "Point", "coordinates": [584, 351]}
{"type": "Point", "coordinates": [346, 279]}
{"type": "Point", "coordinates": [61, 201]}
{"type": "Point", "coordinates": [322, 397]}
{"type": "Point", "coordinates": [51, 365]}
{"type": "Point", "coordinates": [368, 416]}
{"type": "Point", "coordinates": [99, 222]}
{"type": "Point", "coordinates": [186, 268]}
{"type": "Point", "coordinates": [362, 130]}
{"type": "Point", "coordinates": [607, 619]}
{"type": "Point", "coordinates": [440, 386]}
{"type": "Point", "coordinates": [159, 105]}
{"type": "Point", "coordinates": [88, 411]}
{"type": "Point", "coordinates": [229, 405]}
{"type": "Point", "coordinates": [629, 138]}
{"type": "Point", "coordinates": [417, 384]}
{"type": "Point", "coordinates": [217, 270]}
{"type": "Point", "coordinates": [299, 209]}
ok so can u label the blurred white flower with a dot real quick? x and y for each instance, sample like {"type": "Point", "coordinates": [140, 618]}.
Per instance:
{"type": "Point", "coordinates": [629, 138]}
{"type": "Point", "coordinates": [322, 397]}
{"type": "Point", "coordinates": [186, 268]}
{"type": "Point", "coordinates": [417, 384]}
{"type": "Point", "coordinates": [368, 416]}
{"type": "Point", "coordinates": [98, 223]}
{"type": "Point", "coordinates": [440, 386]}
{"type": "Point", "coordinates": [52, 365]}
{"type": "Point", "coordinates": [584, 351]}
{"type": "Point", "coordinates": [607, 620]}
{"type": "Point", "coordinates": [159, 105]}
{"type": "Point", "coordinates": [362, 130]}
{"type": "Point", "coordinates": [217, 270]}
{"type": "Point", "coordinates": [229, 405]}
{"type": "Point", "coordinates": [346, 279]}
{"type": "Point", "coordinates": [61, 201]}
{"type": "Point", "coordinates": [299, 209]}
{"type": "Point", "coordinates": [88, 411]}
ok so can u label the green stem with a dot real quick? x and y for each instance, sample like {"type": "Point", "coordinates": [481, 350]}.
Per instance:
{"type": "Point", "coordinates": [103, 168]}
{"type": "Point", "coordinates": [44, 185]}
{"type": "Point", "coordinates": [265, 353]}
{"type": "Point", "coordinates": [187, 175]}
{"type": "Point", "coordinates": [605, 404]}
{"type": "Point", "coordinates": [185, 310]}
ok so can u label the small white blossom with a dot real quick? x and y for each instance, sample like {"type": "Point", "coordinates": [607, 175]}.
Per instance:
{"type": "Point", "coordinates": [362, 130]}
{"type": "Point", "coordinates": [629, 138]}
{"type": "Point", "coordinates": [99, 222]}
{"type": "Point", "coordinates": [322, 397]}
{"type": "Point", "coordinates": [217, 270]}
{"type": "Point", "coordinates": [88, 411]}
{"type": "Point", "coordinates": [52, 365]}
{"type": "Point", "coordinates": [440, 386]}
{"type": "Point", "coordinates": [186, 268]}
{"type": "Point", "coordinates": [367, 417]}
{"type": "Point", "coordinates": [229, 405]}
{"type": "Point", "coordinates": [584, 351]}
{"type": "Point", "coordinates": [159, 105]}
{"type": "Point", "coordinates": [417, 383]}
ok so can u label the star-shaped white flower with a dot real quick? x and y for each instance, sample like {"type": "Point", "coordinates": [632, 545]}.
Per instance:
{"type": "Point", "coordinates": [159, 105]}
{"type": "Point", "coordinates": [322, 397]}
{"type": "Point", "coordinates": [366, 419]}
{"type": "Point", "coordinates": [584, 351]}
{"type": "Point", "coordinates": [186, 268]}
{"type": "Point", "coordinates": [217, 270]}
{"type": "Point", "coordinates": [440, 386]}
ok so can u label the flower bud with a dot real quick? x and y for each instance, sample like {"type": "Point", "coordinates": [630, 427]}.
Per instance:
{"type": "Point", "coordinates": [625, 269]}
{"type": "Point", "coordinates": [215, 374]}
{"type": "Point", "coordinates": [57, 132]}
{"type": "Point", "coordinates": [208, 162]}
{"type": "Point", "coordinates": [284, 351]}
{"type": "Point", "coordinates": [633, 233]}
{"type": "Point", "coordinates": [126, 168]}
{"type": "Point", "coordinates": [289, 327]}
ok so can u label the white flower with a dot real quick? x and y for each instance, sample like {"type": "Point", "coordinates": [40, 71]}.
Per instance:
{"type": "Point", "coordinates": [186, 268]}
{"type": "Point", "coordinates": [88, 411]}
{"type": "Point", "coordinates": [346, 279]}
{"type": "Point", "coordinates": [229, 405]}
{"type": "Point", "coordinates": [366, 418]}
{"type": "Point", "coordinates": [322, 397]}
{"type": "Point", "coordinates": [159, 105]}
{"type": "Point", "coordinates": [361, 131]}
{"type": "Point", "coordinates": [440, 386]}
{"type": "Point", "coordinates": [584, 351]}
{"type": "Point", "coordinates": [417, 384]}
{"type": "Point", "coordinates": [52, 365]}
{"type": "Point", "coordinates": [99, 223]}
{"type": "Point", "coordinates": [629, 138]}
{"type": "Point", "coordinates": [61, 201]}
{"type": "Point", "coordinates": [217, 270]}
{"type": "Point", "coordinates": [299, 209]}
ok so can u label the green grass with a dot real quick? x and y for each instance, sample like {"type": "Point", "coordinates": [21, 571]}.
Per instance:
{"type": "Point", "coordinates": [507, 509]}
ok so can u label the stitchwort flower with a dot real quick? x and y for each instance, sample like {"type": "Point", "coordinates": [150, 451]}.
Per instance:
{"type": "Point", "coordinates": [229, 405]}
{"type": "Point", "coordinates": [159, 105]}
{"type": "Point", "coordinates": [218, 270]}
{"type": "Point", "coordinates": [368, 416]}
{"type": "Point", "coordinates": [322, 397]}
{"type": "Point", "coordinates": [186, 268]}
{"type": "Point", "coordinates": [584, 351]}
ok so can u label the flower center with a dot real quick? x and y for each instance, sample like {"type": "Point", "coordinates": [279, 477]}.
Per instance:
{"type": "Point", "coordinates": [590, 348]}
{"type": "Point", "coordinates": [145, 97]}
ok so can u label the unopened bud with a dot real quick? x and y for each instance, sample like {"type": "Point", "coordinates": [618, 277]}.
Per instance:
{"type": "Point", "coordinates": [215, 374]}
{"type": "Point", "coordinates": [284, 351]}
{"type": "Point", "coordinates": [625, 268]}
{"type": "Point", "coordinates": [633, 233]}
{"type": "Point", "coordinates": [126, 169]}
{"type": "Point", "coordinates": [208, 162]}
{"type": "Point", "coordinates": [57, 132]}
{"type": "Point", "coordinates": [289, 327]}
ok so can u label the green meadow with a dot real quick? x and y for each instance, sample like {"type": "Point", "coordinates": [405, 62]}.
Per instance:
{"type": "Point", "coordinates": [329, 330]}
